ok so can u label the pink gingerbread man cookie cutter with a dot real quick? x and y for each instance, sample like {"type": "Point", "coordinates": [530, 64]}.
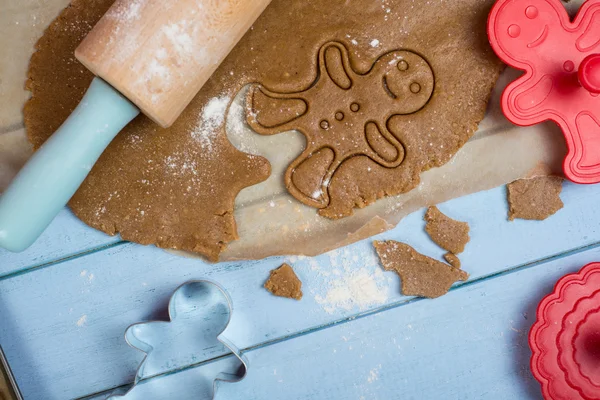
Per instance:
{"type": "Point", "coordinates": [561, 83]}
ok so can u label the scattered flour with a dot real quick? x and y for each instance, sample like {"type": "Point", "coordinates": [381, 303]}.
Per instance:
{"type": "Point", "coordinates": [375, 43]}
{"type": "Point", "coordinates": [374, 374]}
{"type": "Point", "coordinates": [351, 282]}
{"type": "Point", "coordinates": [353, 41]}
{"type": "Point", "coordinates": [130, 11]}
{"type": "Point", "coordinates": [81, 321]}
{"type": "Point", "coordinates": [178, 36]}
{"type": "Point", "coordinates": [211, 118]}
{"type": "Point", "coordinates": [84, 273]}
{"type": "Point", "coordinates": [170, 54]}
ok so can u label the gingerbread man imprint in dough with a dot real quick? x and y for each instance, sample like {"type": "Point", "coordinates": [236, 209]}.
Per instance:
{"type": "Point", "coordinates": [343, 114]}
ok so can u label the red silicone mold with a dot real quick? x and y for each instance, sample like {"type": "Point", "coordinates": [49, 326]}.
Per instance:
{"type": "Point", "coordinates": [565, 339]}
{"type": "Point", "coordinates": [561, 60]}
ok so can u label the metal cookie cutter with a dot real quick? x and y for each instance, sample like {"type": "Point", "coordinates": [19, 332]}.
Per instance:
{"type": "Point", "coordinates": [8, 385]}
{"type": "Point", "coordinates": [199, 312]}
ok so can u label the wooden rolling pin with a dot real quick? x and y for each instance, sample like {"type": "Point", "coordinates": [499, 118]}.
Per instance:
{"type": "Point", "coordinates": [148, 55]}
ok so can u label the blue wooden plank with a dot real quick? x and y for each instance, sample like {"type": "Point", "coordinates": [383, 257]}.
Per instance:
{"type": "Point", "coordinates": [63, 325]}
{"type": "Point", "coordinates": [470, 344]}
{"type": "Point", "coordinates": [189, 384]}
{"type": "Point", "coordinates": [66, 236]}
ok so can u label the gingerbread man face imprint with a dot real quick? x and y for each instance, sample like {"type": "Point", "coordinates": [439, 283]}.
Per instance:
{"type": "Point", "coordinates": [538, 37]}
{"type": "Point", "coordinates": [343, 114]}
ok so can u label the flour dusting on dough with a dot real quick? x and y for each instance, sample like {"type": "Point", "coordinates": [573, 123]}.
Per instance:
{"type": "Point", "coordinates": [211, 118]}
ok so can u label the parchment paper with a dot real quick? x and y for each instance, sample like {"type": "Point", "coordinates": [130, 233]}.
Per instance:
{"type": "Point", "coordinates": [270, 221]}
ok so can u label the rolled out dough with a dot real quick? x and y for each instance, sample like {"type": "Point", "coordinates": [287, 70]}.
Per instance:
{"type": "Point", "coordinates": [176, 187]}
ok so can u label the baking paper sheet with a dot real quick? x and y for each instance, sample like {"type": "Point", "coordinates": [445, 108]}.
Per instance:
{"type": "Point", "coordinates": [270, 221]}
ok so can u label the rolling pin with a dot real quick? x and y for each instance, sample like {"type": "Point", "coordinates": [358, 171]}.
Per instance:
{"type": "Point", "coordinates": [148, 55]}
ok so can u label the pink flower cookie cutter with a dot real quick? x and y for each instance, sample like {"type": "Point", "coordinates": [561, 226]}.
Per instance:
{"type": "Point", "coordinates": [565, 339]}
{"type": "Point", "coordinates": [561, 83]}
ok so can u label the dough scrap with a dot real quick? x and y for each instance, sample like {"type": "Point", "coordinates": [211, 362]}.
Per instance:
{"type": "Point", "coordinates": [453, 260]}
{"type": "Point", "coordinates": [449, 234]}
{"type": "Point", "coordinates": [421, 276]}
{"type": "Point", "coordinates": [534, 198]}
{"type": "Point", "coordinates": [176, 187]}
{"type": "Point", "coordinates": [284, 282]}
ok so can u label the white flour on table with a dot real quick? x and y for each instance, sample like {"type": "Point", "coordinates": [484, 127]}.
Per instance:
{"type": "Point", "coordinates": [351, 281]}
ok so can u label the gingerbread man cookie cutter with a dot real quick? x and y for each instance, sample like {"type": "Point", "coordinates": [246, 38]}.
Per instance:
{"type": "Point", "coordinates": [561, 60]}
{"type": "Point", "coordinates": [199, 313]}
{"type": "Point", "coordinates": [343, 114]}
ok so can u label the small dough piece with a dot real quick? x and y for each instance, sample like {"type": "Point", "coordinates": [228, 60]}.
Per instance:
{"type": "Point", "coordinates": [421, 275]}
{"type": "Point", "coordinates": [448, 233]}
{"type": "Point", "coordinates": [284, 282]}
{"type": "Point", "coordinates": [534, 198]}
{"type": "Point", "coordinates": [453, 260]}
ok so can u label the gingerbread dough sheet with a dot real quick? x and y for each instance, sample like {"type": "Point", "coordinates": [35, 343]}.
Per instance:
{"type": "Point", "coordinates": [140, 185]}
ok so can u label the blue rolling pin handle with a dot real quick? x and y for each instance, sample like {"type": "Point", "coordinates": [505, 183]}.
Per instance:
{"type": "Point", "coordinates": [55, 172]}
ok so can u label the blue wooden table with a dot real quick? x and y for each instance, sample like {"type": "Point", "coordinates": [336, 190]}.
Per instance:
{"type": "Point", "coordinates": [66, 302]}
